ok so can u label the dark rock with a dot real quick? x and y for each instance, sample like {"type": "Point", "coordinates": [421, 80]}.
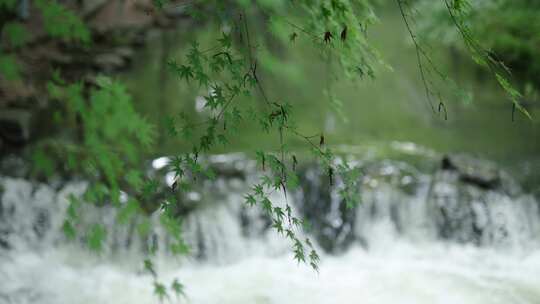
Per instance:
{"type": "Point", "coordinates": [451, 201]}
{"type": "Point", "coordinates": [90, 7]}
{"type": "Point", "coordinates": [109, 62]}
{"type": "Point", "coordinates": [41, 223]}
{"type": "Point", "coordinates": [61, 58]}
{"type": "Point", "coordinates": [15, 126]}
{"type": "Point", "coordinates": [125, 52]}
{"type": "Point", "coordinates": [3, 234]}
{"type": "Point", "coordinates": [230, 165]}
{"type": "Point", "coordinates": [464, 196]}
{"type": "Point", "coordinates": [133, 15]}
{"type": "Point", "coordinates": [446, 164]}
{"type": "Point", "coordinates": [471, 171]}
{"type": "Point", "coordinates": [487, 184]}
{"type": "Point", "coordinates": [176, 11]}
{"type": "Point", "coordinates": [3, 243]}
{"type": "Point", "coordinates": [14, 166]}
{"type": "Point", "coordinates": [332, 224]}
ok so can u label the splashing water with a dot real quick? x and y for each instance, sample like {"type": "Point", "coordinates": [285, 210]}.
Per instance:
{"type": "Point", "coordinates": [402, 273]}
{"type": "Point", "coordinates": [402, 250]}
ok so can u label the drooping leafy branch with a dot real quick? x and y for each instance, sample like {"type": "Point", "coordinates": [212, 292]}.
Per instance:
{"type": "Point", "coordinates": [482, 56]}
{"type": "Point", "coordinates": [109, 156]}
{"type": "Point", "coordinates": [230, 69]}
{"type": "Point", "coordinates": [426, 71]}
{"type": "Point", "coordinates": [458, 12]}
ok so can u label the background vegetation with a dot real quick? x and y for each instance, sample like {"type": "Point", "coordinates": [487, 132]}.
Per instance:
{"type": "Point", "coordinates": [282, 81]}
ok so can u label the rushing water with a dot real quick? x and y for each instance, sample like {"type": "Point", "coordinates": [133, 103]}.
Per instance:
{"type": "Point", "coordinates": [416, 238]}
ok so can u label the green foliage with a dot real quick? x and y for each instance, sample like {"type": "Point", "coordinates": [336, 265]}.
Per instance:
{"type": "Point", "coordinates": [16, 34]}
{"type": "Point", "coordinates": [109, 153]}
{"type": "Point", "coordinates": [96, 237]}
{"type": "Point", "coordinates": [69, 230]}
{"type": "Point", "coordinates": [226, 76]}
{"type": "Point", "coordinates": [72, 218]}
{"type": "Point", "coordinates": [111, 138]}
{"type": "Point", "coordinates": [149, 267]}
{"type": "Point", "coordinates": [128, 211]}
{"type": "Point", "coordinates": [508, 31]}
{"type": "Point", "coordinates": [59, 22]}
{"type": "Point", "coordinates": [160, 3]}
{"type": "Point", "coordinates": [42, 163]}
{"type": "Point", "coordinates": [160, 291]}
{"type": "Point", "coordinates": [228, 71]}
{"type": "Point", "coordinates": [178, 288]}
{"type": "Point", "coordinates": [343, 25]}
{"type": "Point", "coordinates": [9, 67]}
{"type": "Point", "coordinates": [113, 133]}
{"type": "Point", "coordinates": [8, 4]}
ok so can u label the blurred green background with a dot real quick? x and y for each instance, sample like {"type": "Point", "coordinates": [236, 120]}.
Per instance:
{"type": "Point", "coordinates": [391, 107]}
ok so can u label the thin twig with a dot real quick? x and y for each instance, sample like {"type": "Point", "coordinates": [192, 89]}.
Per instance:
{"type": "Point", "coordinates": [418, 54]}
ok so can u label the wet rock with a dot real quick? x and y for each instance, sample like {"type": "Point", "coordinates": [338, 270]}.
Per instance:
{"type": "Point", "coordinates": [335, 226]}
{"type": "Point", "coordinates": [4, 230]}
{"type": "Point", "coordinates": [3, 243]}
{"type": "Point", "coordinates": [41, 222]}
{"type": "Point", "coordinates": [176, 11]}
{"type": "Point", "coordinates": [90, 7]}
{"type": "Point", "coordinates": [109, 62]}
{"type": "Point", "coordinates": [453, 211]}
{"type": "Point", "coordinates": [479, 173]}
{"type": "Point", "coordinates": [118, 14]}
{"type": "Point", "coordinates": [395, 173]}
{"type": "Point", "coordinates": [61, 58]}
{"type": "Point", "coordinates": [231, 165]}
{"type": "Point", "coordinates": [473, 172]}
{"type": "Point", "coordinates": [15, 93]}
{"type": "Point", "coordinates": [332, 223]}
{"type": "Point", "coordinates": [466, 195]}
{"type": "Point", "coordinates": [125, 52]}
{"type": "Point", "coordinates": [447, 164]}
{"type": "Point", "coordinates": [15, 126]}
{"type": "Point", "coordinates": [14, 166]}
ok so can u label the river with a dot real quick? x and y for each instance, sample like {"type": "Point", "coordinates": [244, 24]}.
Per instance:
{"type": "Point", "coordinates": [401, 245]}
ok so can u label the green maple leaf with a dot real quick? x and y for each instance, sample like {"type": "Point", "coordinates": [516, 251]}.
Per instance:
{"type": "Point", "coordinates": [96, 236]}
{"type": "Point", "coordinates": [279, 213]}
{"type": "Point", "coordinates": [267, 205]}
{"type": "Point", "coordinates": [186, 72]}
{"type": "Point", "coordinates": [258, 190]}
{"type": "Point", "coordinates": [299, 253]}
{"type": "Point", "coordinates": [225, 40]}
{"type": "Point", "coordinates": [290, 234]}
{"type": "Point", "coordinates": [178, 288]}
{"type": "Point", "coordinates": [278, 225]}
{"type": "Point", "coordinates": [69, 230]}
{"type": "Point", "coordinates": [250, 200]}
{"type": "Point", "coordinates": [202, 78]}
{"type": "Point", "coordinates": [149, 266]}
{"type": "Point", "coordinates": [160, 291]}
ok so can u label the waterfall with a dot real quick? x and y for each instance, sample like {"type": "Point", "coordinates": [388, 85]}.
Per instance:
{"type": "Point", "coordinates": [414, 234]}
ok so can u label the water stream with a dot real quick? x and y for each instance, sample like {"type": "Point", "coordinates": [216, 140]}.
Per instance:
{"type": "Point", "coordinates": [417, 237]}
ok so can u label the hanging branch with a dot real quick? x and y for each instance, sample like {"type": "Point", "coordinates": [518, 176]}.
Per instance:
{"type": "Point", "coordinates": [488, 58]}
{"type": "Point", "coordinates": [419, 51]}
